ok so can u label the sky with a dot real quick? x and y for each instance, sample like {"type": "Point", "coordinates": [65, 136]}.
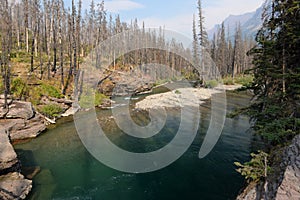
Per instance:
{"type": "Point", "coordinates": [176, 15]}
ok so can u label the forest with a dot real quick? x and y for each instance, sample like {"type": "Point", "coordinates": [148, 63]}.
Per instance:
{"type": "Point", "coordinates": [47, 41]}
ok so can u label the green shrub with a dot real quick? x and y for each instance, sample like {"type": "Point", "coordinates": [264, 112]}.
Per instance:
{"type": "Point", "coordinates": [228, 81]}
{"type": "Point", "coordinates": [51, 91]}
{"type": "Point", "coordinates": [244, 80]}
{"type": "Point", "coordinates": [256, 169]}
{"type": "Point", "coordinates": [51, 110]}
{"type": "Point", "coordinates": [177, 92]}
{"type": "Point", "coordinates": [211, 84]}
{"type": "Point", "coordinates": [19, 88]}
{"type": "Point", "coordinates": [88, 100]}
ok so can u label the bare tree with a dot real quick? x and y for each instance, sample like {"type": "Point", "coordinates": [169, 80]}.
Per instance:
{"type": "Point", "coordinates": [6, 45]}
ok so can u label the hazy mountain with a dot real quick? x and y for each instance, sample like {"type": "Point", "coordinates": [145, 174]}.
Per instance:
{"type": "Point", "coordinates": [250, 23]}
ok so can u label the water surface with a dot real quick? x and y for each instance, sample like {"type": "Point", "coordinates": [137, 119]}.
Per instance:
{"type": "Point", "coordinates": [68, 171]}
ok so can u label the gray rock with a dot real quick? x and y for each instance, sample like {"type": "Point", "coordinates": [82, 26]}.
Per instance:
{"type": "Point", "coordinates": [30, 129]}
{"type": "Point", "coordinates": [8, 156]}
{"type": "Point", "coordinates": [20, 129]}
{"type": "Point", "coordinates": [19, 109]}
{"type": "Point", "coordinates": [14, 186]}
{"type": "Point", "coordinates": [290, 185]}
{"type": "Point", "coordinates": [70, 111]}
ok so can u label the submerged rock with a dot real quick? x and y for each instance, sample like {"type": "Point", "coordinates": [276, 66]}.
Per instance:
{"type": "Point", "coordinates": [14, 186]}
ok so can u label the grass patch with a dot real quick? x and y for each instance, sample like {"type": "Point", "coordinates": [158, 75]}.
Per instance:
{"type": "Point", "coordinates": [211, 84]}
{"type": "Point", "coordinates": [244, 80]}
{"type": "Point", "coordinates": [51, 91]}
{"type": "Point", "coordinates": [43, 89]}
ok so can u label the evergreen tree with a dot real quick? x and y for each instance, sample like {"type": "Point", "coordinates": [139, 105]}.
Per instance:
{"type": "Point", "coordinates": [203, 38]}
{"type": "Point", "coordinates": [276, 110]}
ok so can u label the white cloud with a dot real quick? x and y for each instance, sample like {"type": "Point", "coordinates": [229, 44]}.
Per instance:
{"type": "Point", "coordinates": [180, 23]}
{"type": "Point", "coordinates": [115, 6]}
{"type": "Point", "coordinates": [214, 13]}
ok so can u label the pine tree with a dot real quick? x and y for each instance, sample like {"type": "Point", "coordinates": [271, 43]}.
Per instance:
{"type": "Point", "coordinates": [276, 110]}
{"type": "Point", "coordinates": [222, 46]}
{"type": "Point", "coordinates": [203, 38]}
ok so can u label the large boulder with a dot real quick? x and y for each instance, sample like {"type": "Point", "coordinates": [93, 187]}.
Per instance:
{"type": "Point", "coordinates": [8, 156]}
{"type": "Point", "coordinates": [19, 109]}
{"type": "Point", "coordinates": [14, 186]}
{"type": "Point", "coordinates": [32, 128]}
{"type": "Point", "coordinates": [20, 121]}
{"type": "Point", "coordinates": [20, 129]}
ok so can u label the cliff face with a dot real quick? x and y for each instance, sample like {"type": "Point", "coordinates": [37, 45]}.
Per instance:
{"type": "Point", "coordinates": [284, 183]}
{"type": "Point", "coordinates": [290, 185]}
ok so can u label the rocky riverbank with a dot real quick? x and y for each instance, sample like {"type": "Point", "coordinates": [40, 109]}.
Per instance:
{"type": "Point", "coordinates": [19, 122]}
{"type": "Point", "coordinates": [284, 181]}
{"type": "Point", "coordinates": [13, 185]}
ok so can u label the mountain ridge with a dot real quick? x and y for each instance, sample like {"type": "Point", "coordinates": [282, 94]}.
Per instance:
{"type": "Point", "coordinates": [250, 23]}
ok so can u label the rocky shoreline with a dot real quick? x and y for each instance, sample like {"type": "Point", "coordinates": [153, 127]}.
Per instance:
{"type": "Point", "coordinates": [19, 122]}
{"type": "Point", "coordinates": [13, 185]}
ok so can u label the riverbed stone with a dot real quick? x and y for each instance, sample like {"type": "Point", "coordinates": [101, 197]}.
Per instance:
{"type": "Point", "coordinates": [14, 186]}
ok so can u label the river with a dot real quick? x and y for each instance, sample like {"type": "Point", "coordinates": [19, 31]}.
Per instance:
{"type": "Point", "coordinates": [69, 172]}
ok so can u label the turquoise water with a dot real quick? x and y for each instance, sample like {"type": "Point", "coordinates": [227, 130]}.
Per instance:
{"type": "Point", "coordinates": [68, 171]}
